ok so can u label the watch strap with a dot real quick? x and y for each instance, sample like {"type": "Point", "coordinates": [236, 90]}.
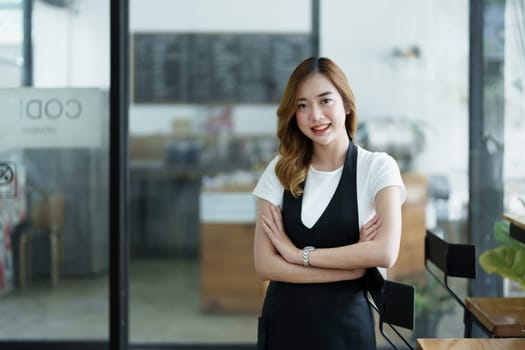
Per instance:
{"type": "Point", "coordinates": [306, 255]}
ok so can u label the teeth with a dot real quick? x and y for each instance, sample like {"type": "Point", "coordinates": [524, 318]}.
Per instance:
{"type": "Point", "coordinates": [321, 127]}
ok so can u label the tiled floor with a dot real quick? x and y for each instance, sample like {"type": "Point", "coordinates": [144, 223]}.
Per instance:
{"type": "Point", "coordinates": [164, 308]}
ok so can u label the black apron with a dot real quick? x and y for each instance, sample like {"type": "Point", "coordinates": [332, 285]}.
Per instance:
{"type": "Point", "coordinates": [328, 316]}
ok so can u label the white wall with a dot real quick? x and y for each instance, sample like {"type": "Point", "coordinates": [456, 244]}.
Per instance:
{"type": "Point", "coordinates": [433, 89]}
{"type": "Point", "coordinates": [11, 38]}
{"type": "Point", "coordinates": [71, 45]}
{"type": "Point", "coordinates": [224, 15]}
{"type": "Point", "coordinates": [514, 161]}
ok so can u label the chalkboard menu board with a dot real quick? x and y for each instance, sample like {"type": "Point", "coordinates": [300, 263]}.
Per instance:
{"type": "Point", "coordinates": [214, 68]}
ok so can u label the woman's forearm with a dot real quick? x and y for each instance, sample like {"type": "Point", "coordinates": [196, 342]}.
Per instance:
{"type": "Point", "coordinates": [360, 255]}
{"type": "Point", "coordinates": [275, 268]}
{"type": "Point", "coordinates": [382, 251]}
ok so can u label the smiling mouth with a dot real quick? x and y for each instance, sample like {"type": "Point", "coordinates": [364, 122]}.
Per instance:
{"type": "Point", "coordinates": [319, 129]}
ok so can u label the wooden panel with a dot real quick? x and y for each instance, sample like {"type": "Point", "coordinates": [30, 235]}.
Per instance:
{"type": "Point", "coordinates": [504, 317]}
{"type": "Point", "coordinates": [411, 259]}
{"type": "Point", "coordinates": [228, 279]}
{"type": "Point", "coordinates": [470, 344]}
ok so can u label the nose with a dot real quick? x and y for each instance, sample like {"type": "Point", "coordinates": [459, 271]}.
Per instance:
{"type": "Point", "coordinates": [316, 113]}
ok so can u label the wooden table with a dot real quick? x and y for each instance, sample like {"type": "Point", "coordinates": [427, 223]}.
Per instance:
{"type": "Point", "coordinates": [470, 344]}
{"type": "Point", "coordinates": [501, 317]}
{"type": "Point", "coordinates": [517, 226]}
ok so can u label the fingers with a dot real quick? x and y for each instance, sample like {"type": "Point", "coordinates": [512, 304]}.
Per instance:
{"type": "Point", "coordinates": [370, 229]}
{"type": "Point", "coordinates": [375, 219]}
{"type": "Point", "coordinates": [268, 226]}
{"type": "Point", "coordinates": [278, 239]}
{"type": "Point", "coordinates": [273, 224]}
{"type": "Point", "coordinates": [277, 217]}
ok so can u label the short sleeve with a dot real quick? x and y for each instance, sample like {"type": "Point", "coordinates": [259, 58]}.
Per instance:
{"type": "Point", "coordinates": [385, 172]}
{"type": "Point", "coordinates": [269, 187]}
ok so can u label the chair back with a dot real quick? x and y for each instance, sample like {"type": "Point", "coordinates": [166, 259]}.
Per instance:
{"type": "Point", "coordinates": [394, 303]}
{"type": "Point", "coordinates": [454, 260]}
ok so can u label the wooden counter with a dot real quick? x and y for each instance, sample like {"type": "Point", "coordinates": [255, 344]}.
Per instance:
{"type": "Point", "coordinates": [228, 283]}
{"type": "Point", "coordinates": [228, 280]}
{"type": "Point", "coordinates": [471, 344]}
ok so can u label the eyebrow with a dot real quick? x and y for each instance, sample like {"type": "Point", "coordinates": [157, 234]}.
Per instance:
{"type": "Point", "coordinates": [322, 94]}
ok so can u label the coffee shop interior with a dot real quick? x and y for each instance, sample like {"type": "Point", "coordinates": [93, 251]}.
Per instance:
{"type": "Point", "coordinates": [205, 78]}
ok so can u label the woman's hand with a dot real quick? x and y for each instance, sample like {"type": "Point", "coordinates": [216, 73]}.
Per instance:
{"type": "Point", "coordinates": [273, 227]}
{"type": "Point", "coordinates": [370, 229]}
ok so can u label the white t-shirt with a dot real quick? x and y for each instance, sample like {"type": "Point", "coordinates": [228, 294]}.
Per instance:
{"type": "Point", "coordinates": [375, 171]}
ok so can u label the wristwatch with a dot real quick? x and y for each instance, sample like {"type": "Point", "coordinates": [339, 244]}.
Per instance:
{"type": "Point", "coordinates": [306, 255]}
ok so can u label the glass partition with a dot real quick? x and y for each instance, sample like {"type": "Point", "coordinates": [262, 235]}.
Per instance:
{"type": "Point", "coordinates": [195, 151]}
{"type": "Point", "coordinates": [408, 66]}
{"type": "Point", "coordinates": [11, 42]}
{"type": "Point", "coordinates": [514, 119]}
{"type": "Point", "coordinates": [206, 78]}
{"type": "Point", "coordinates": [54, 192]}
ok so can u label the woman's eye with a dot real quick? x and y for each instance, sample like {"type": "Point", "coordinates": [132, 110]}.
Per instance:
{"type": "Point", "coordinates": [301, 106]}
{"type": "Point", "coordinates": [326, 100]}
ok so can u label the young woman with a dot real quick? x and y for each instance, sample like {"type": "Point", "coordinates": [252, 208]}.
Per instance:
{"type": "Point", "coordinates": [328, 210]}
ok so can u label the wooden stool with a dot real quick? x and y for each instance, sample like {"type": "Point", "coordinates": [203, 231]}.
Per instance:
{"type": "Point", "coordinates": [470, 344]}
{"type": "Point", "coordinates": [498, 317]}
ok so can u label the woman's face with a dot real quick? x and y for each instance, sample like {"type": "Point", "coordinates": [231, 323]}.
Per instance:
{"type": "Point", "coordinates": [320, 111]}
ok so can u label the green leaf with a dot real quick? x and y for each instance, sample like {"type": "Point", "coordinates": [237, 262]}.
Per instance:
{"type": "Point", "coordinates": [506, 261]}
{"type": "Point", "coordinates": [502, 228]}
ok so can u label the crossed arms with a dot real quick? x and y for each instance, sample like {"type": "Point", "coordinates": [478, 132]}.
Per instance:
{"type": "Point", "coordinates": [276, 258]}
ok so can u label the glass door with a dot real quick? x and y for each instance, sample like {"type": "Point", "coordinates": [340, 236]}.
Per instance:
{"type": "Point", "coordinates": [204, 82]}
{"type": "Point", "coordinates": [206, 77]}
{"type": "Point", "coordinates": [54, 173]}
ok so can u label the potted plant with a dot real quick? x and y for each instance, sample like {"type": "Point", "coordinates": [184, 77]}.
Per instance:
{"type": "Point", "coordinates": [508, 259]}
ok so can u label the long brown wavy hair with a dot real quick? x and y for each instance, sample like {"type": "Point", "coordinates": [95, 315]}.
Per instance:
{"type": "Point", "coordinates": [295, 148]}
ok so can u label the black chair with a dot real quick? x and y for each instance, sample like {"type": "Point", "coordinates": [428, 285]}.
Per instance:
{"type": "Point", "coordinates": [394, 303]}
{"type": "Point", "coordinates": [496, 317]}
{"type": "Point", "coordinates": [454, 260]}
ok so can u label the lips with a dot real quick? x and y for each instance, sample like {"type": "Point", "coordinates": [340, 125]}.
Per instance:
{"type": "Point", "coordinates": [320, 129]}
